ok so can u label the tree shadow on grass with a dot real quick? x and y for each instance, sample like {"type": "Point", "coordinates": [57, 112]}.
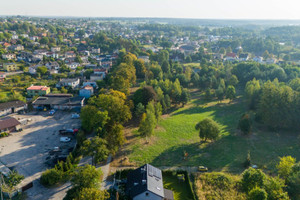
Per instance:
{"type": "Point", "coordinates": [227, 115]}
{"type": "Point", "coordinates": [228, 153]}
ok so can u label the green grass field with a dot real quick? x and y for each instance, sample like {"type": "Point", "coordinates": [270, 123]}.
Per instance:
{"type": "Point", "coordinates": [181, 190]}
{"type": "Point", "coordinates": [176, 134]}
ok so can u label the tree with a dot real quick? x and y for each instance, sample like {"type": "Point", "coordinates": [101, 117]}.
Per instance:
{"type": "Point", "coordinates": [114, 104]}
{"type": "Point", "coordinates": [208, 129]}
{"type": "Point", "coordinates": [165, 66]}
{"type": "Point", "coordinates": [285, 166]}
{"type": "Point", "coordinates": [148, 122]}
{"type": "Point", "coordinates": [220, 93]}
{"type": "Point", "coordinates": [252, 178]}
{"type": "Point", "coordinates": [158, 110]}
{"type": "Point", "coordinates": [144, 95]}
{"type": "Point", "coordinates": [184, 97]}
{"type": "Point", "coordinates": [86, 177]}
{"type": "Point", "coordinates": [42, 70]}
{"type": "Point", "coordinates": [258, 194]}
{"type": "Point", "coordinates": [293, 185]}
{"type": "Point", "coordinates": [139, 110]}
{"type": "Point", "coordinates": [93, 194]}
{"type": "Point", "coordinates": [44, 40]}
{"type": "Point", "coordinates": [115, 138]}
{"type": "Point", "coordinates": [140, 68]}
{"type": "Point", "coordinates": [95, 147]}
{"type": "Point", "coordinates": [233, 80]}
{"type": "Point", "coordinates": [230, 92]}
{"type": "Point", "coordinates": [274, 187]}
{"type": "Point", "coordinates": [51, 177]}
{"type": "Point", "coordinates": [92, 118]}
{"type": "Point", "coordinates": [245, 124]}
{"type": "Point", "coordinates": [64, 90]}
{"type": "Point", "coordinates": [188, 59]}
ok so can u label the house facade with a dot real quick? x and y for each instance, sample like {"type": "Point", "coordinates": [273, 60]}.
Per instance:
{"type": "Point", "coordinates": [9, 56]}
{"type": "Point", "coordinates": [68, 82]}
{"type": "Point", "coordinates": [10, 67]}
{"type": "Point", "coordinates": [86, 92]}
{"type": "Point", "coordinates": [37, 91]}
{"type": "Point", "coordinates": [12, 107]}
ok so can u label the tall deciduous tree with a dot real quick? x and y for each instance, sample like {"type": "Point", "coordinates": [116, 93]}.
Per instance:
{"type": "Point", "coordinates": [208, 129]}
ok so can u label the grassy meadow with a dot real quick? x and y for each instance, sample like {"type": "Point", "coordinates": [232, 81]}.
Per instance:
{"type": "Point", "coordinates": [176, 135]}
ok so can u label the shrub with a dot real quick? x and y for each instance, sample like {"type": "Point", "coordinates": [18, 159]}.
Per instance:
{"type": "Point", "coordinates": [252, 178]}
{"type": "Point", "coordinates": [51, 177]}
{"type": "Point", "coordinates": [258, 194]}
{"type": "Point", "coordinates": [3, 134]}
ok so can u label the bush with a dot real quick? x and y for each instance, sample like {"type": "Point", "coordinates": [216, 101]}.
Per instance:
{"type": "Point", "coordinates": [51, 177]}
{"type": "Point", "coordinates": [3, 134]}
{"type": "Point", "coordinates": [252, 178]}
{"type": "Point", "coordinates": [258, 194]}
{"type": "Point", "coordinates": [219, 180]}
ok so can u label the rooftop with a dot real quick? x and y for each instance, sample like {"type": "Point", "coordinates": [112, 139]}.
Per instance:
{"type": "Point", "coordinates": [7, 122]}
{"type": "Point", "coordinates": [37, 87]}
{"type": "Point", "coordinates": [7, 105]}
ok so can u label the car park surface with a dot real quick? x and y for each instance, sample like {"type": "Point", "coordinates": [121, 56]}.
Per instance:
{"type": "Point", "coordinates": [26, 151]}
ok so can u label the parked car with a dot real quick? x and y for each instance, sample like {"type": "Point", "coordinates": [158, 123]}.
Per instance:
{"type": "Point", "coordinates": [68, 131]}
{"type": "Point", "coordinates": [75, 116]}
{"type": "Point", "coordinates": [51, 112]}
{"type": "Point", "coordinates": [65, 139]}
{"type": "Point", "coordinates": [202, 169]}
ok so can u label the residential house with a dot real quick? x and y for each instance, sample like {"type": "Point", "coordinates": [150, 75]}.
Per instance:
{"type": "Point", "coordinates": [70, 54]}
{"type": "Point", "coordinates": [9, 56]}
{"type": "Point", "coordinates": [258, 59]}
{"type": "Point", "coordinates": [68, 82]}
{"type": "Point", "coordinates": [9, 124]}
{"type": "Point", "coordinates": [231, 57]}
{"type": "Point", "coordinates": [86, 91]}
{"type": "Point", "coordinates": [10, 67]}
{"type": "Point", "coordinates": [73, 65]}
{"type": "Point", "coordinates": [58, 101]}
{"type": "Point", "coordinates": [243, 57]}
{"type": "Point", "coordinates": [14, 37]}
{"type": "Point", "coordinates": [16, 47]}
{"type": "Point", "coordinates": [146, 183]}
{"type": "Point", "coordinates": [52, 65]}
{"type": "Point", "coordinates": [12, 107]}
{"type": "Point", "coordinates": [90, 83]}
{"type": "Point", "coordinates": [37, 91]}
{"type": "Point", "coordinates": [55, 49]}
{"type": "Point", "coordinates": [144, 58]}
{"type": "Point", "coordinates": [96, 50]}
{"type": "Point", "coordinates": [271, 61]}
{"type": "Point", "coordinates": [2, 76]}
{"type": "Point", "coordinates": [6, 45]}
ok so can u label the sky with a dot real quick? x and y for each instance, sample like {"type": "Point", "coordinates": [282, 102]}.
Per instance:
{"type": "Point", "coordinates": [197, 9]}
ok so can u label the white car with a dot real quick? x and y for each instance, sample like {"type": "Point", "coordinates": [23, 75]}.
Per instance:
{"type": "Point", "coordinates": [65, 139]}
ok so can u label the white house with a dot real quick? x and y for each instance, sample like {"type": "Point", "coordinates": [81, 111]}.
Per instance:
{"type": "Point", "coordinates": [68, 82]}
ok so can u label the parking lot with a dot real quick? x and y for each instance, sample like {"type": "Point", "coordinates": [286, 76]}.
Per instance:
{"type": "Point", "coordinates": [27, 151]}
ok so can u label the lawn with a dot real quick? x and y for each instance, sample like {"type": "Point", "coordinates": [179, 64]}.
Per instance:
{"type": "Point", "coordinates": [176, 135]}
{"type": "Point", "coordinates": [181, 189]}
{"type": "Point", "coordinates": [192, 65]}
